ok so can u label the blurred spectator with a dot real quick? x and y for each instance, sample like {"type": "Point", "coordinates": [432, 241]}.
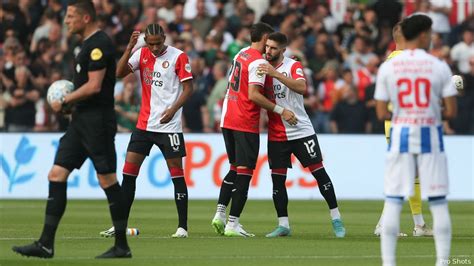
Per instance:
{"type": "Point", "coordinates": [195, 112]}
{"type": "Point", "coordinates": [438, 48]}
{"type": "Point", "coordinates": [127, 106]}
{"type": "Point", "coordinates": [360, 54]}
{"type": "Point", "coordinates": [462, 51]}
{"type": "Point", "coordinates": [42, 31]}
{"type": "Point", "coordinates": [176, 25]}
{"type": "Point", "coordinates": [349, 115]}
{"type": "Point", "coordinates": [275, 14]}
{"type": "Point", "coordinates": [439, 13]}
{"type": "Point", "coordinates": [219, 26]}
{"type": "Point", "coordinates": [327, 95]}
{"type": "Point", "coordinates": [214, 101]}
{"type": "Point", "coordinates": [464, 122]}
{"type": "Point", "coordinates": [242, 40]}
{"type": "Point", "coordinates": [366, 76]}
{"type": "Point", "coordinates": [202, 22]}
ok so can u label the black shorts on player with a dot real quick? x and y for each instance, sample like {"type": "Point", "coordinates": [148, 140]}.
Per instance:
{"type": "Point", "coordinates": [242, 147]}
{"type": "Point", "coordinates": [306, 150]}
{"type": "Point", "coordinates": [172, 145]}
{"type": "Point", "coordinates": [90, 135]}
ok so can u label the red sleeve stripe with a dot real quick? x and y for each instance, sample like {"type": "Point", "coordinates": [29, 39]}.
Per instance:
{"type": "Point", "coordinates": [191, 77]}
{"type": "Point", "coordinates": [279, 171]}
{"type": "Point", "coordinates": [315, 167]}
{"type": "Point", "coordinates": [131, 67]}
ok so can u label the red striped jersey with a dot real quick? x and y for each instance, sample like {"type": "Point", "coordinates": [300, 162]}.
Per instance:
{"type": "Point", "coordinates": [160, 78]}
{"type": "Point", "coordinates": [279, 93]}
{"type": "Point", "coordinates": [238, 111]}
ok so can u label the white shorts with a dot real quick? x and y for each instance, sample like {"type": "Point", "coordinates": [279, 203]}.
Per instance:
{"type": "Point", "coordinates": [401, 169]}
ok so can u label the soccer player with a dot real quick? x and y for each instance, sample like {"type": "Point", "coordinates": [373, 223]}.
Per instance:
{"type": "Point", "coordinates": [90, 134]}
{"type": "Point", "coordinates": [166, 82]}
{"type": "Point", "coordinates": [285, 85]}
{"type": "Point", "coordinates": [420, 229]}
{"type": "Point", "coordinates": [416, 83]}
{"type": "Point", "coordinates": [240, 128]}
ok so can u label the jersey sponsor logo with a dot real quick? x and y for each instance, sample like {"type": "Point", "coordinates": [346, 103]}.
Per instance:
{"type": "Point", "coordinates": [165, 64]}
{"type": "Point", "coordinates": [150, 77]}
{"type": "Point", "coordinates": [96, 54]}
{"type": "Point", "coordinates": [187, 67]}
{"type": "Point", "coordinates": [277, 91]}
{"type": "Point", "coordinates": [299, 71]}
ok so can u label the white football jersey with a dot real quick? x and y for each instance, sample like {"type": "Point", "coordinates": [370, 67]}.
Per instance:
{"type": "Point", "coordinates": [415, 82]}
{"type": "Point", "coordinates": [160, 78]}
{"type": "Point", "coordinates": [279, 93]}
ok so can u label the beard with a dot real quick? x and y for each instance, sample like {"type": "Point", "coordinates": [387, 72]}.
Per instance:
{"type": "Point", "coordinates": [272, 58]}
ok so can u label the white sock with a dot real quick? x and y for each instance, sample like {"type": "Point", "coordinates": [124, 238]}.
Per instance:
{"type": "Point", "coordinates": [283, 221]}
{"type": "Point", "coordinates": [335, 214]}
{"type": "Point", "coordinates": [233, 222]}
{"type": "Point", "coordinates": [441, 230]}
{"type": "Point", "coordinates": [418, 219]}
{"type": "Point", "coordinates": [390, 230]}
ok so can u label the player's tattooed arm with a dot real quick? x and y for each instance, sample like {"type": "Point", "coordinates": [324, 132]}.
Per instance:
{"type": "Point", "coordinates": [168, 114]}
{"type": "Point", "coordinates": [123, 69]}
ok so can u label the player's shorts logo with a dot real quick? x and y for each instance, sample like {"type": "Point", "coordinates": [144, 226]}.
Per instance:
{"type": "Point", "coordinates": [166, 64]}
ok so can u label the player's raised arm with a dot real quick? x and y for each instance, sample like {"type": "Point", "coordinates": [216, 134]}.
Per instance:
{"type": "Point", "coordinates": [123, 66]}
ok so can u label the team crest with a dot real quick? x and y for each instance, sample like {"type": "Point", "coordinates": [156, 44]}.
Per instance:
{"type": "Point", "coordinates": [96, 54]}
{"type": "Point", "coordinates": [166, 64]}
{"type": "Point", "coordinates": [259, 73]}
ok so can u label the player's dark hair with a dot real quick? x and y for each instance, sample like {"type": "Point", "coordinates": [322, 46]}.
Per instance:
{"type": "Point", "coordinates": [279, 38]}
{"type": "Point", "coordinates": [84, 6]}
{"type": "Point", "coordinates": [154, 29]}
{"type": "Point", "coordinates": [414, 25]}
{"type": "Point", "coordinates": [258, 30]}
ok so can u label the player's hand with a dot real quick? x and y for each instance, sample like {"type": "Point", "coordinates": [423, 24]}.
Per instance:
{"type": "Point", "coordinates": [167, 115]}
{"type": "Point", "coordinates": [289, 117]}
{"type": "Point", "coordinates": [267, 69]}
{"type": "Point", "coordinates": [57, 106]}
{"type": "Point", "coordinates": [133, 39]}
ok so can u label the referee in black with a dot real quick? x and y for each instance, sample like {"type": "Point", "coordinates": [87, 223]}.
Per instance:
{"type": "Point", "coordinates": [90, 134]}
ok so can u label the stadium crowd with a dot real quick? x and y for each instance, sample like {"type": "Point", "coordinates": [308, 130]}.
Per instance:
{"type": "Point", "coordinates": [341, 56]}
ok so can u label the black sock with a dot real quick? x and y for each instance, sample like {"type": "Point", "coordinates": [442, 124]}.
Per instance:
{"type": "Point", "coordinates": [225, 193]}
{"type": "Point", "coordinates": [325, 187]}
{"type": "Point", "coordinates": [181, 199]}
{"type": "Point", "coordinates": [55, 208]}
{"type": "Point", "coordinates": [239, 196]}
{"type": "Point", "coordinates": [117, 211]}
{"type": "Point", "coordinates": [280, 196]}
{"type": "Point", "coordinates": [128, 189]}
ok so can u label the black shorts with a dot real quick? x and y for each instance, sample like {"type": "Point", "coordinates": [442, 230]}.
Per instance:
{"type": "Point", "coordinates": [242, 147]}
{"type": "Point", "coordinates": [171, 144]}
{"type": "Point", "coordinates": [305, 149]}
{"type": "Point", "coordinates": [91, 134]}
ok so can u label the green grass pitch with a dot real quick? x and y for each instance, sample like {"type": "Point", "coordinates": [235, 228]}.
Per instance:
{"type": "Point", "coordinates": [312, 241]}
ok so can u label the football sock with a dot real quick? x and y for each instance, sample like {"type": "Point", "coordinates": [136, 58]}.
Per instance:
{"type": "Point", "coordinates": [390, 229]}
{"type": "Point", "coordinates": [335, 214]}
{"type": "Point", "coordinates": [180, 196]}
{"type": "Point", "coordinates": [239, 195]}
{"type": "Point", "coordinates": [280, 195]}
{"type": "Point", "coordinates": [55, 207]}
{"type": "Point", "coordinates": [283, 221]}
{"type": "Point", "coordinates": [418, 219]}
{"type": "Point", "coordinates": [225, 193]}
{"type": "Point", "coordinates": [117, 211]}
{"type": "Point", "coordinates": [324, 184]}
{"type": "Point", "coordinates": [130, 173]}
{"type": "Point", "coordinates": [233, 222]}
{"type": "Point", "coordinates": [441, 229]}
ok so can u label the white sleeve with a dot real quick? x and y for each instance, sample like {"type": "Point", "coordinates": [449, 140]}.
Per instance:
{"type": "Point", "coordinates": [254, 77]}
{"type": "Point", "coordinates": [381, 85]}
{"type": "Point", "coordinates": [448, 88]}
{"type": "Point", "coordinates": [134, 60]}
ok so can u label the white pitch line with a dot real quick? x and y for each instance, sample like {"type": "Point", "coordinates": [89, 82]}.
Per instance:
{"type": "Point", "coordinates": [362, 257]}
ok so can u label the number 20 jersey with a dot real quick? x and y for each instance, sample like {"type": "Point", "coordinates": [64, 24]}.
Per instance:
{"type": "Point", "coordinates": [238, 111]}
{"type": "Point", "coordinates": [415, 82]}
